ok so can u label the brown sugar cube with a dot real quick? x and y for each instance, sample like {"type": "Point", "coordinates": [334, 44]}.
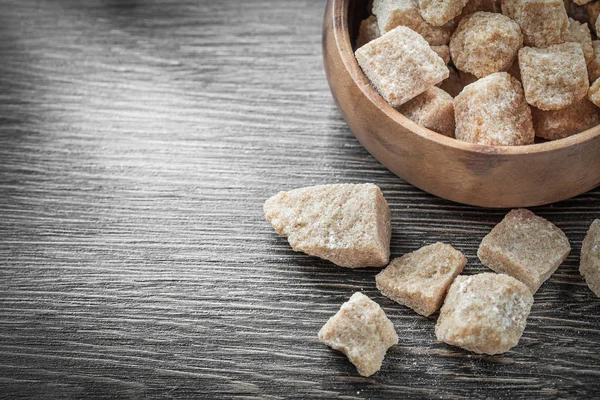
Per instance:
{"type": "Point", "coordinates": [558, 124]}
{"type": "Point", "coordinates": [580, 33]}
{"type": "Point", "coordinates": [420, 279]}
{"type": "Point", "coordinates": [554, 77]}
{"type": "Point", "coordinates": [493, 111]}
{"type": "Point", "coordinates": [443, 52]}
{"type": "Point", "coordinates": [594, 65]}
{"type": "Point", "coordinates": [367, 32]}
{"type": "Point", "coordinates": [437, 12]}
{"type": "Point", "coordinates": [452, 85]}
{"type": "Point", "coordinates": [526, 247]}
{"type": "Point", "coordinates": [543, 22]}
{"type": "Point", "coordinates": [594, 92]}
{"type": "Point", "coordinates": [360, 330]}
{"type": "Point", "coordinates": [433, 109]}
{"type": "Point", "coordinates": [401, 65]}
{"type": "Point", "coordinates": [346, 224]}
{"type": "Point", "coordinates": [484, 313]}
{"type": "Point", "coordinates": [590, 258]}
{"type": "Point", "coordinates": [485, 43]}
{"type": "Point", "coordinates": [393, 13]}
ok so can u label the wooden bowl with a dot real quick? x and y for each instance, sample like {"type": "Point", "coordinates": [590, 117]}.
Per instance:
{"type": "Point", "coordinates": [486, 176]}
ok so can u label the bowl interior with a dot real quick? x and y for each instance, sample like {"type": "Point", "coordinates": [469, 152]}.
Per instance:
{"type": "Point", "coordinates": [357, 11]}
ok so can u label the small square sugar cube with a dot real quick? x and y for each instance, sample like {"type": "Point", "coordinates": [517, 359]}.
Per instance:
{"type": "Point", "coordinates": [484, 313]}
{"type": "Point", "coordinates": [554, 77]}
{"type": "Point", "coordinates": [360, 330]}
{"type": "Point", "coordinates": [590, 258]}
{"type": "Point", "coordinates": [421, 279]}
{"type": "Point", "coordinates": [485, 43]}
{"type": "Point", "coordinates": [594, 65]}
{"type": "Point", "coordinates": [393, 13]}
{"type": "Point", "coordinates": [432, 109]}
{"type": "Point", "coordinates": [401, 65]}
{"type": "Point", "coordinates": [578, 117]}
{"type": "Point", "coordinates": [580, 33]}
{"type": "Point", "coordinates": [543, 22]}
{"type": "Point", "coordinates": [493, 111]}
{"type": "Point", "coordinates": [526, 247]}
{"type": "Point", "coordinates": [437, 13]}
{"type": "Point", "coordinates": [346, 224]}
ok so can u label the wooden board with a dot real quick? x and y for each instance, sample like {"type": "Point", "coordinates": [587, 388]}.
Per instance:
{"type": "Point", "coordinates": [138, 142]}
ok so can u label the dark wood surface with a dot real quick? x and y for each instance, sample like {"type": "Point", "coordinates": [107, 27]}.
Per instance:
{"type": "Point", "coordinates": [138, 142]}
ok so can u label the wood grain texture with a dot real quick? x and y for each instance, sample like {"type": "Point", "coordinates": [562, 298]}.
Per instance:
{"type": "Point", "coordinates": [138, 142]}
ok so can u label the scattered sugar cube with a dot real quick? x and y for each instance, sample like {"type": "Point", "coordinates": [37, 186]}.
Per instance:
{"type": "Point", "coordinates": [437, 13]}
{"type": "Point", "coordinates": [493, 111]}
{"type": "Point", "coordinates": [433, 109]}
{"type": "Point", "coordinates": [484, 313]}
{"type": "Point", "coordinates": [578, 117]}
{"type": "Point", "coordinates": [346, 224]}
{"type": "Point", "coordinates": [367, 32]}
{"type": "Point", "coordinates": [526, 247]}
{"type": "Point", "coordinates": [393, 13]}
{"type": "Point", "coordinates": [443, 52]}
{"type": "Point", "coordinates": [452, 85]}
{"type": "Point", "coordinates": [594, 65]}
{"type": "Point", "coordinates": [420, 279]}
{"type": "Point", "coordinates": [360, 330]}
{"type": "Point", "coordinates": [485, 43]}
{"type": "Point", "coordinates": [554, 77]}
{"type": "Point", "coordinates": [590, 258]}
{"type": "Point", "coordinates": [580, 33]}
{"type": "Point", "coordinates": [594, 92]}
{"type": "Point", "coordinates": [401, 65]}
{"type": "Point", "coordinates": [543, 22]}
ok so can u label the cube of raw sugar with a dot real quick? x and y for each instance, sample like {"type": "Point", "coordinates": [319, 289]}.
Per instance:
{"type": "Point", "coordinates": [393, 13]}
{"type": "Point", "coordinates": [543, 22]}
{"type": "Point", "coordinates": [493, 111]}
{"type": "Point", "coordinates": [580, 33]}
{"type": "Point", "coordinates": [443, 52]}
{"type": "Point", "coordinates": [485, 43]}
{"type": "Point", "coordinates": [484, 313]}
{"type": "Point", "coordinates": [558, 124]}
{"type": "Point", "coordinates": [437, 13]}
{"type": "Point", "coordinates": [590, 258]}
{"type": "Point", "coordinates": [526, 247]}
{"type": "Point", "coordinates": [346, 224]}
{"type": "Point", "coordinates": [401, 65]}
{"type": "Point", "coordinates": [433, 109]}
{"type": "Point", "coordinates": [594, 92]}
{"type": "Point", "coordinates": [554, 77]}
{"type": "Point", "coordinates": [452, 85]}
{"type": "Point", "coordinates": [360, 330]}
{"type": "Point", "coordinates": [367, 32]}
{"type": "Point", "coordinates": [594, 65]}
{"type": "Point", "coordinates": [421, 279]}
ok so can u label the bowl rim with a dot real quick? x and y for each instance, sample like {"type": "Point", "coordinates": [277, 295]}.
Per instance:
{"type": "Point", "coordinates": [341, 33]}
